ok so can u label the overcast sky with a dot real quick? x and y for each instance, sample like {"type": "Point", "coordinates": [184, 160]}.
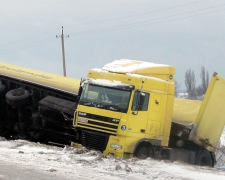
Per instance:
{"type": "Point", "coordinates": [185, 34]}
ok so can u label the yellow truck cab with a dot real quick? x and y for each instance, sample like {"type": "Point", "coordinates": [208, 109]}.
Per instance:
{"type": "Point", "coordinates": [135, 116]}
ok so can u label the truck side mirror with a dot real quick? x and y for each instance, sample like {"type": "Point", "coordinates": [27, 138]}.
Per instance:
{"type": "Point", "coordinates": [140, 102]}
{"type": "Point", "coordinates": [79, 93]}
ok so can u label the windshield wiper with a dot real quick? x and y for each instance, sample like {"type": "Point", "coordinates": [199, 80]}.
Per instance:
{"type": "Point", "coordinates": [86, 102]}
{"type": "Point", "coordinates": [100, 105]}
{"type": "Point", "coordinates": [112, 107]}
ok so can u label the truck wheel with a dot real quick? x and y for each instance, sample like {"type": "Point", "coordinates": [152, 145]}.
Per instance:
{"type": "Point", "coordinates": [17, 97]}
{"type": "Point", "coordinates": [2, 90]}
{"type": "Point", "coordinates": [204, 158]}
{"type": "Point", "coordinates": [144, 151]}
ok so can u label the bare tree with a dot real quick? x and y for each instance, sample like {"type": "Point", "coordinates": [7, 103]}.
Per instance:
{"type": "Point", "coordinates": [205, 79]}
{"type": "Point", "coordinates": [177, 85]}
{"type": "Point", "coordinates": [201, 90]}
{"type": "Point", "coordinates": [190, 84]}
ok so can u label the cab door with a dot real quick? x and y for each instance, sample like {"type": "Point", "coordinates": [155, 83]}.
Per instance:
{"type": "Point", "coordinates": [137, 118]}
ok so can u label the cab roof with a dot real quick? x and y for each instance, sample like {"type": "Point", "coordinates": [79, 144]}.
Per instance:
{"type": "Point", "coordinates": [139, 67]}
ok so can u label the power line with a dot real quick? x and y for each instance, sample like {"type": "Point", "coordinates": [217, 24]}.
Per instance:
{"type": "Point", "coordinates": [125, 17]}
{"type": "Point", "coordinates": [28, 38]}
{"type": "Point", "coordinates": [105, 21]}
{"type": "Point", "coordinates": [27, 46]}
{"type": "Point", "coordinates": [131, 25]}
{"type": "Point", "coordinates": [126, 26]}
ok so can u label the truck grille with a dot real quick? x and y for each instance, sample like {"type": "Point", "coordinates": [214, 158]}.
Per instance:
{"type": "Point", "coordinates": [99, 123]}
{"type": "Point", "coordinates": [94, 140]}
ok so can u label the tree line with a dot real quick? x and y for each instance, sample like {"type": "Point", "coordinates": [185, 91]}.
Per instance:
{"type": "Point", "coordinates": [192, 91]}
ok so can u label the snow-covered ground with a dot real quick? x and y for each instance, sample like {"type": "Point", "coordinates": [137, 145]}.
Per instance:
{"type": "Point", "coordinates": [27, 160]}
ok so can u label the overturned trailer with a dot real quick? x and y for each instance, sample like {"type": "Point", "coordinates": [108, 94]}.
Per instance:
{"type": "Point", "coordinates": [138, 117]}
{"type": "Point", "coordinates": [36, 105]}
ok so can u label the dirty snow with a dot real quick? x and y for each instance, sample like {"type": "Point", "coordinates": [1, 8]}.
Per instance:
{"type": "Point", "coordinates": [28, 160]}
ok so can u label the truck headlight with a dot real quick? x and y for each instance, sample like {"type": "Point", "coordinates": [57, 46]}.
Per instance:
{"type": "Point", "coordinates": [116, 146]}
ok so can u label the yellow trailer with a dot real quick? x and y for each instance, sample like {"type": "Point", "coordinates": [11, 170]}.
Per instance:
{"type": "Point", "coordinates": [207, 117]}
{"type": "Point", "coordinates": [210, 120]}
{"type": "Point", "coordinates": [52, 81]}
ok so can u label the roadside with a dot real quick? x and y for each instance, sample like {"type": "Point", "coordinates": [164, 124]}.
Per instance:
{"type": "Point", "coordinates": [28, 160]}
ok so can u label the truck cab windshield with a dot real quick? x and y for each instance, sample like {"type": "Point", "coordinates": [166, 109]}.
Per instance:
{"type": "Point", "coordinates": [108, 98]}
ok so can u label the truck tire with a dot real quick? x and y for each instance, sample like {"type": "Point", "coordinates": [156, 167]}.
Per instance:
{"type": "Point", "coordinates": [144, 151]}
{"type": "Point", "coordinates": [18, 97]}
{"type": "Point", "coordinates": [2, 90]}
{"type": "Point", "coordinates": [204, 158]}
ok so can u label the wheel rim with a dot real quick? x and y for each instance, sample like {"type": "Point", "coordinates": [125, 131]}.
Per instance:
{"type": "Point", "coordinates": [18, 93]}
{"type": "Point", "coordinates": [143, 153]}
{"type": "Point", "coordinates": [17, 97]}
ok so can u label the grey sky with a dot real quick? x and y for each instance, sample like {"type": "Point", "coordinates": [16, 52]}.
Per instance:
{"type": "Point", "coordinates": [185, 34]}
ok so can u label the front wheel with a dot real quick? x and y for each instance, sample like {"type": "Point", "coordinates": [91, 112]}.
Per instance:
{"type": "Point", "coordinates": [144, 151]}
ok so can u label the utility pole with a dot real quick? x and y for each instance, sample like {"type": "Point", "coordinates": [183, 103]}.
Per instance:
{"type": "Point", "coordinates": [63, 51]}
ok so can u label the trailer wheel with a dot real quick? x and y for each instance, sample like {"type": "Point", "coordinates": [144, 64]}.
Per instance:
{"type": "Point", "coordinates": [18, 97]}
{"type": "Point", "coordinates": [2, 90]}
{"type": "Point", "coordinates": [204, 158]}
{"type": "Point", "coordinates": [144, 151]}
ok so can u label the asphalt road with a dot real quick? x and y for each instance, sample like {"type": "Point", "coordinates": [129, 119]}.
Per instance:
{"type": "Point", "coordinates": [13, 171]}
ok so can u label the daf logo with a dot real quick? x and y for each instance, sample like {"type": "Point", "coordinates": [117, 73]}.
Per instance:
{"type": "Point", "coordinates": [82, 114]}
{"type": "Point", "coordinates": [115, 120]}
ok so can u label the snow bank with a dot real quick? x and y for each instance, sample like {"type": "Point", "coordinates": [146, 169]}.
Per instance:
{"type": "Point", "coordinates": [70, 163]}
